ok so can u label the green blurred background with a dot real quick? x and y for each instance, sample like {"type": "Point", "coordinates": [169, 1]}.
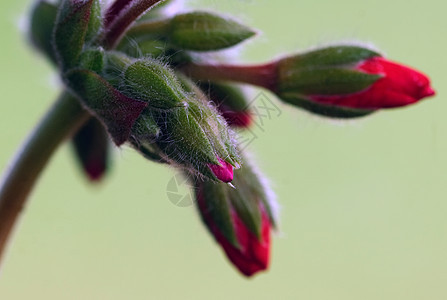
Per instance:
{"type": "Point", "coordinates": [363, 203]}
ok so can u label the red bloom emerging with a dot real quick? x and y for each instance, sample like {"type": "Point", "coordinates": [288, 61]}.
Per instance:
{"type": "Point", "coordinates": [253, 254]}
{"type": "Point", "coordinates": [399, 86]}
{"type": "Point", "coordinates": [223, 172]}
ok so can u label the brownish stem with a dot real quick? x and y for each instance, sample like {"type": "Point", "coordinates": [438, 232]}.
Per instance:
{"type": "Point", "coordinates": [61, 122]}
{"type": "Point", "coordinates": [129, 14]}
{"type": "Point", "coordinates": [113, 11]}
{"type": "Point", "coordinates": [259, 75]}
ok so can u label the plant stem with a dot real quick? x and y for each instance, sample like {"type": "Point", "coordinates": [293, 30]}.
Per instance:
{"type": "Point", "coordinates": [118, 26]}
{"type": "Point", "coordinates": [114, 10]}
{"type": "Point", "coordinates": [61, 122]}
{"type": "Point", "coordinates": [259, 75]}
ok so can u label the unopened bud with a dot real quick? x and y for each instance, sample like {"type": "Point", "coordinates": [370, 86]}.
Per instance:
{"type": "Point", "coordinates": [91, 145]}
{"type": "Point", "coordinates": [179, 126]}
{"type": "Point", "coordinates": [240, 218]}
{"type": "Point", "coordinates": [348, 81]}
{"type": "Point", "coordinates": [196, 31]}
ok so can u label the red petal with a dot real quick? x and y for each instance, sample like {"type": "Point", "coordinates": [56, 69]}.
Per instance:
{"type": "Point", "coordinates": [223, 172]}
{"type": "Point", "coordinates": [399, 86]}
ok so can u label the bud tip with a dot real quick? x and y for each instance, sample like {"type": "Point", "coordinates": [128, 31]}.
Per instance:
{"type": "Point", "coordinates": [224, 172]}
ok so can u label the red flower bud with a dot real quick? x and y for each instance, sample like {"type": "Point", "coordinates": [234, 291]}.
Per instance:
{"type": "Point", "coordinates": [240, 217]}
{"type": "Point", "coordinates": [223, 172]}
{"type": "Point", "coordinates": [398, 86]}
{"type": "Point", "coordinates": [91, 145]}
{"type": "Point", "coordinates": [252, 253]}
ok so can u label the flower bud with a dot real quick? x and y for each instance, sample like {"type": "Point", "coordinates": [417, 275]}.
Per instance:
{"type": "Point", "coordinates": [91, 145]}
{"type": "Point", "coordinates": [184, 129]}
{"type": "Point", "coordinates": [240, 218]}
{"type": "Point", "coordinates": [196, 31]}
{"type": "Point", "coordinates": [348, 81]}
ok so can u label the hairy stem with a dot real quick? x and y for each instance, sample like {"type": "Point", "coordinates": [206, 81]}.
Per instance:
{"type": "Point", "coordinates": [129, 14]}
{"type": "Point", "coordinates": [61, 122]}
{"type": "Point", "coordinates": [259, 75]}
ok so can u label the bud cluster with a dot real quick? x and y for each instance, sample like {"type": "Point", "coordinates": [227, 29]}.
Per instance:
{"type": "Point", "coordinates": [144, 79]}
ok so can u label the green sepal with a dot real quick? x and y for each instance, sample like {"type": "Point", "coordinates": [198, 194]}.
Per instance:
{"type": "Point", "coordinates": [330, 111]}
{"type": "Point", "coordinates": [70, 30]}
{"type": "Point", "coordinates": [212, 122]}
{"type": "Point", "coordinates": [95, 24]}
{"type": "Point", "coordinates": [186, 142]}
{"type": "Point", "coordinates": [93, 60]}
{"type": "Point", "coordinates": [251, 183]}
{"type": "Point", "coordinates": [329, 57]}
{"type": "Point", "coordinates": [331, 81]}
{"type": "Point", "coordinates": [246, 205]}
{"type": "Point", "coordinates": [195, 31]}
{"type": "Point", "coordinates": [216, 207]}
{"type": "Point", "coordinates": [117, 111]}
{"type": "Point", "coordinates": [43, 17]}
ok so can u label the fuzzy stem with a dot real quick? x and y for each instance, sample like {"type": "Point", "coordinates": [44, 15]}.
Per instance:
{"type": "Point", "coordinates": [61, 122]}
{"type": "Point", "coordinates": [259, 75]}
{"type": "Point", "coordinates": [118, 26]}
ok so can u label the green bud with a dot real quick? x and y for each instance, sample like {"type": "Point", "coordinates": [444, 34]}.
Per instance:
{"type": "Point", "coordinates": [43, 17]}
{"type": "Point", "coordinates": [72, 24]}
{"type": "Point", "coordinates": [196, 31]}
{"type": "Point", "coordinates": [149, 80]}
{"type": "Point", "coordinates": [179, 126]}
{"type": "Point", "coordinates": [203, 31]}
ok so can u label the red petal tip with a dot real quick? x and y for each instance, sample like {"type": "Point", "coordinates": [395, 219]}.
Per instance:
{"type": "Point", "coordinates": [224, 172]}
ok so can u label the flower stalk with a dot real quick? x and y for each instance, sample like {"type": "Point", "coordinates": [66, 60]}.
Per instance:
{"type": "Point", "coordinates": [259, 75]}
{"type": "Point", "coordinates": [61, 122]}
{"type": "Point", "coordinates": [129, 14]}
